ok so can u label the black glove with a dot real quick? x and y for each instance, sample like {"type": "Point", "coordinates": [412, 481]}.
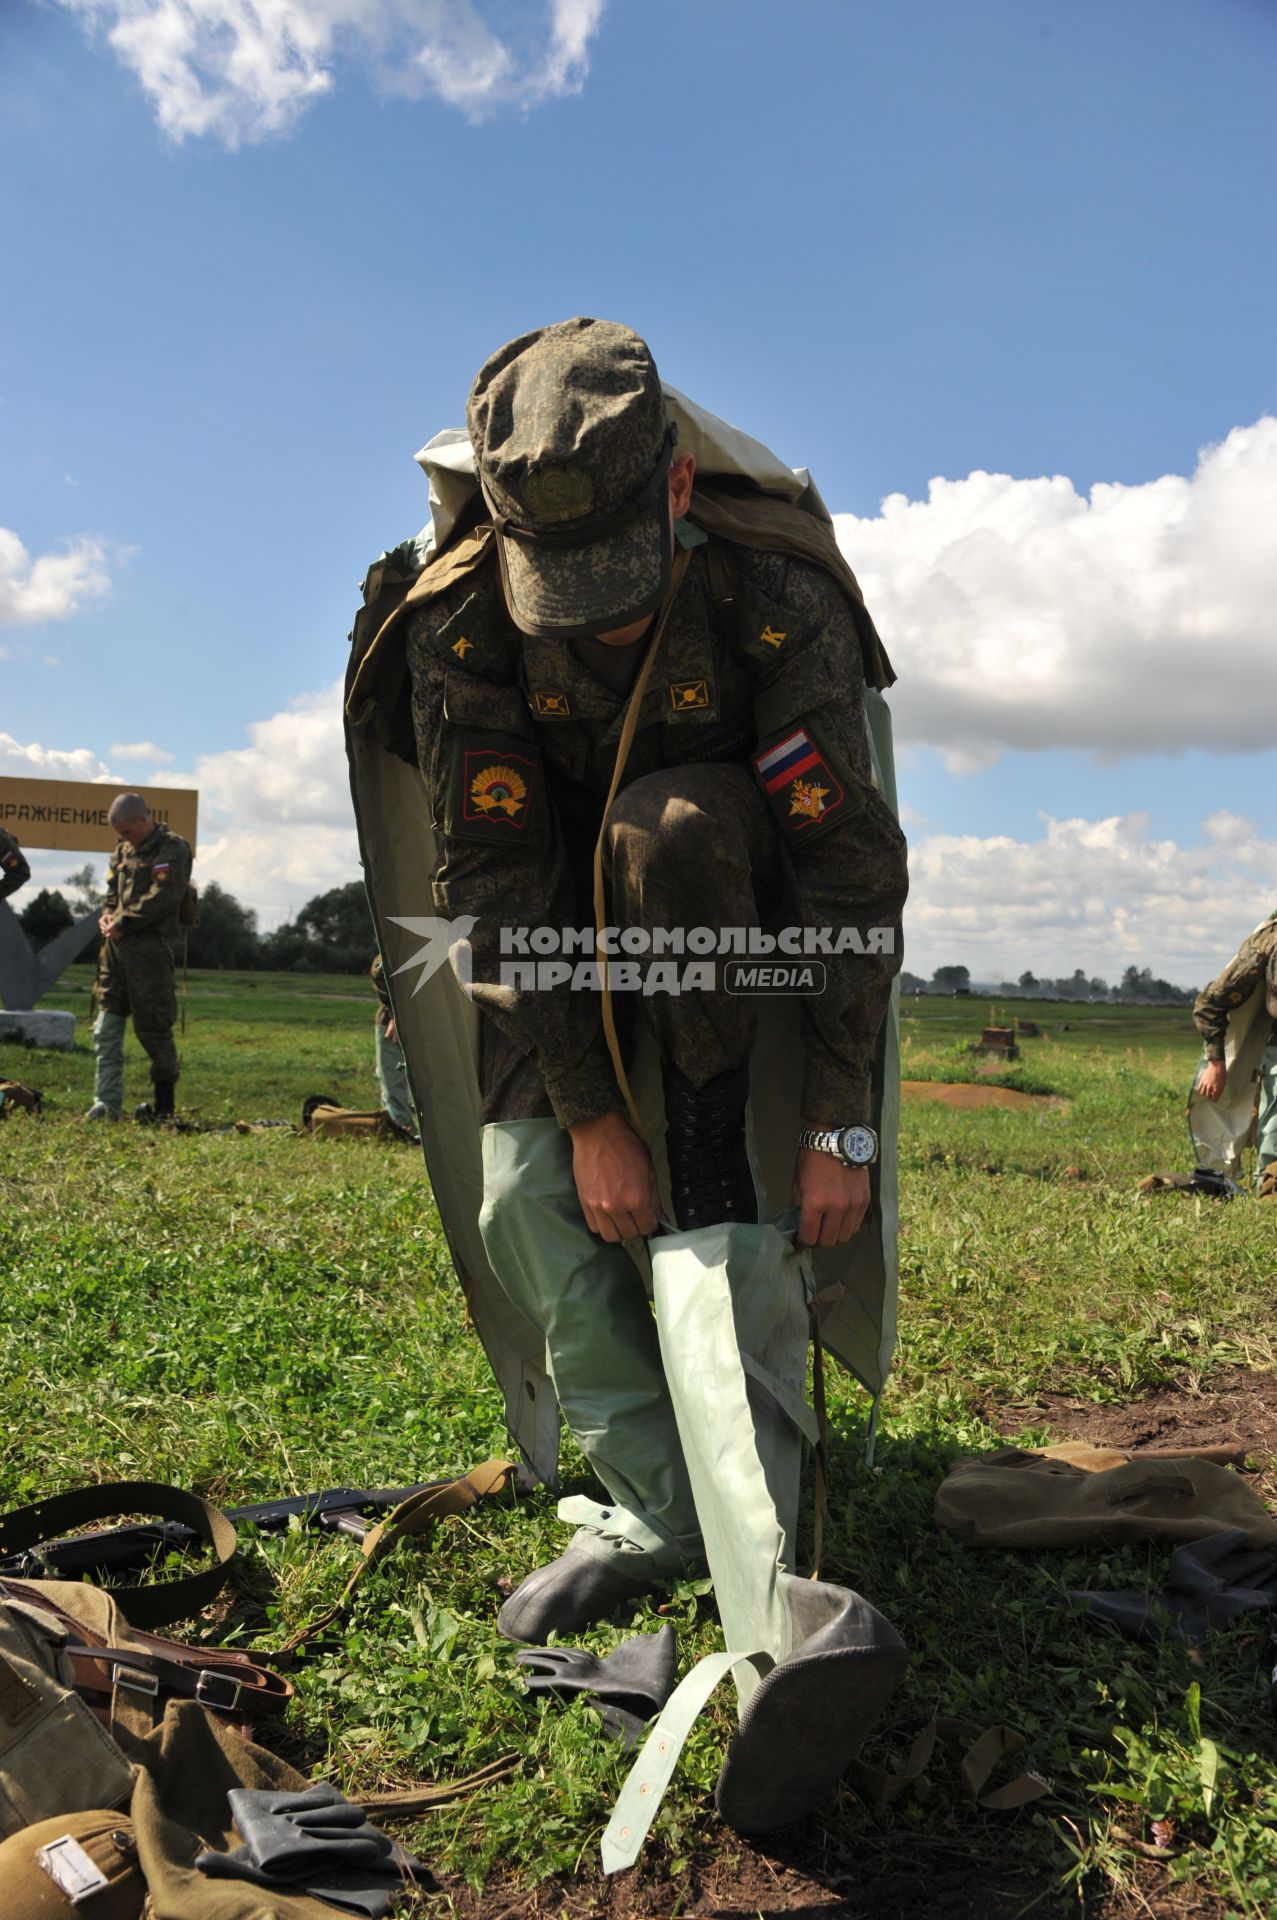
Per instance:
{"type": "Point", "coordinates": [315, 1842]}
{"type": "Point", "coordinates": [629, 1687]}
{"type": "Point", "coordinates": [1210, 1582]}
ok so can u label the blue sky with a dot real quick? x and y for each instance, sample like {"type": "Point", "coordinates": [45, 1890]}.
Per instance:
{"type": "Point", "coordinates": [898, 242]}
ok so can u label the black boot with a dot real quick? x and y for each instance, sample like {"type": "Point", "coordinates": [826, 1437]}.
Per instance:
{"type": "Point", "coordinates": [164, 1090]}
{"type": "Point", "coordinates": [710, 1180]}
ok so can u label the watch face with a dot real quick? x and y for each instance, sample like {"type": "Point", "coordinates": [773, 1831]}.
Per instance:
{"type": "Point", "coordinates": [859, 1146]}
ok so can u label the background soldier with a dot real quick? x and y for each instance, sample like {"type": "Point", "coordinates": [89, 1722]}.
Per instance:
{"type": "Point", "coordinates": [145, 887]}
{"type": "Point", "coordinates": [1253, 966]}
{"type": "Point", "coordinates": [14, 871]}
{"type": "Point", "coordinates": [392, 1068]}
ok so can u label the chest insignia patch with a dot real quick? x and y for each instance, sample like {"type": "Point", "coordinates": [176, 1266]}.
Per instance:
{"type": "Point", "coordinates": [552, 706]}
{"type": "Point", "coordinates": [460, 647]}
{"type": "Point", "coordinates": [797, 779]}
{"type": "Point", "coordinates": [771, 635]}
{"type": "Point", "coordinates": [497, 791]}
{"type": "Point", "coordinates": [687, 695]}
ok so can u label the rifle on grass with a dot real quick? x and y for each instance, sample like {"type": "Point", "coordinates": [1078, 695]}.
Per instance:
{"type": "Point", "coordinates": [112, 1550]}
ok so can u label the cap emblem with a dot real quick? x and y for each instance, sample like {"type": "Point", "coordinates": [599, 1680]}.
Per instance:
{"type": "Point", "coordinates": [558, 493]}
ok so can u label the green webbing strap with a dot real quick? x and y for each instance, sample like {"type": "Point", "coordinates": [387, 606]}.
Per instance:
{"type": "Point", "coordinates": [651, 1773]}
{"type": "Point", "coordinates": [159, 1602]}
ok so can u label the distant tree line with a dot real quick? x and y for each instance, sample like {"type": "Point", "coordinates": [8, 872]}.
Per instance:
{"type": "Point", "coordinates": [1137, 986]}
{"type": "Point", "coordinates": [333, 933]}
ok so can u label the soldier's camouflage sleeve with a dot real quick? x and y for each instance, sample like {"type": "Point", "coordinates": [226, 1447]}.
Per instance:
{"type": "Point", "coordinates": [846, 852]}
{"type": "Point", "coordinates": [111, 891]}
{"type": "Point", "coordinates": [157, 908]}
{"type": "Point", "coordinates": [1244, 972]}
{"type": "Point", "coordinates": [501, 851]}
{"type": "Point", "coordinates": [14, 871]}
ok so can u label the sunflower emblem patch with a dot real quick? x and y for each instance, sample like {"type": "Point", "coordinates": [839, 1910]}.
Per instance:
{"type": "Point", "coordinates": [497, 790]}
{"type": "Point", "coordinates": [804, 792]}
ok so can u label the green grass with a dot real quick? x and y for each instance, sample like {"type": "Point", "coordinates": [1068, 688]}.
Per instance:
{"type": "Point", "coordinates": [264, 1314]}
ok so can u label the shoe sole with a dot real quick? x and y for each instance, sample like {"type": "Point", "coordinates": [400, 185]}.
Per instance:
{"type": "Point", "coordinates": [802, 1728]}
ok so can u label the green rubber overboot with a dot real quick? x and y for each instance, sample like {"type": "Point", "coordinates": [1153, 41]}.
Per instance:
{"type": "Point", "coordinates": [108, 1068]}
{"type": "Point", "coordinates": [602, 1353]}
{"type": "Point", "coordinates": [815, 1664]}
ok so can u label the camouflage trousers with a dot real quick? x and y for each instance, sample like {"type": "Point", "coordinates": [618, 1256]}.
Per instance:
{"type": "Point", "coordinates": [135, 977]}
{"type": "Point", "coordinates": [693, 846]}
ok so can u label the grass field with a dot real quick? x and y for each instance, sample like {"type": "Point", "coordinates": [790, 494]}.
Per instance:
{"type": "Point", "coordinates": [251, 1315]}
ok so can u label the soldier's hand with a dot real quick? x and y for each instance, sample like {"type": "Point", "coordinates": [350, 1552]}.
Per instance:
{"type": "Point", "coordinates": [104, 923]}
{"type": "Point", "coordinates": [615, 1178]}
{"type": "Point", "coordinates": [392, 1033]}
{"type": "Point", "coordinates": [832, 1199]}
{"type": "Point", "coordinates": [1211, 1080]}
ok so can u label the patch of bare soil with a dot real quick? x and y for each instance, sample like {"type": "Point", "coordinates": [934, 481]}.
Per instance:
{"type": "Point", "coordinates": [941, 1882]}
{"type": "Point", "coordinates": [1236, 1409]}
{"type": "Point", "coordinates": [964, 1094]}
{"type": "Point", "coordinates": [743, 1884]}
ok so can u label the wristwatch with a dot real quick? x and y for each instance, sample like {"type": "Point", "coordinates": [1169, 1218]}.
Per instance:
{"type": "Point", "coordinates": [854, 1146]}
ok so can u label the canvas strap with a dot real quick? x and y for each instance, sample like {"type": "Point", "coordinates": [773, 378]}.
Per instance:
{"type": "Point", "coordinates": [629, 727]}
{"type": "Point", "coordinates": [159, 1602]}
{"type": "Point", "coordinates": [413, 1516]}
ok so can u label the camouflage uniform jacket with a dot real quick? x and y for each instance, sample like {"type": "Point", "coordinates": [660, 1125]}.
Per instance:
{"type": "Point", "coordinates": [145, 885]}
{"type": "Point", "coordinates": [1255, 963]}
{"type": "Point", "coordinates": [517, 740]}
{"type": "Point", "coordinates": [14, 871]}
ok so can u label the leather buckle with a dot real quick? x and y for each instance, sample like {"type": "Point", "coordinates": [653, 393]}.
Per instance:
{"type": "Point", "coordinates": [137, 1680]}
{"type": "Point", "coordinates": [219, 1690]}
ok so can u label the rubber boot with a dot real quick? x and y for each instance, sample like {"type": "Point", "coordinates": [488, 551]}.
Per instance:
{"type": "Point", "coordinates": [710, 1180]}
{"type": "Point", "coordinates": [164, 1091]}
{"type": "Point", "coordinates": [587, 1298]}
{"type": "Point", "coordinates": [108, 1067]}
{"type": "Point", "coordinates": [731, 1307]}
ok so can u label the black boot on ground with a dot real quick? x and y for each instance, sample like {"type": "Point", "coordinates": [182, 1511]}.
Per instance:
{"type": "Point", "coordinates": [710, 1180]}
{"type": "Point", "coordinates": [153, 1113]}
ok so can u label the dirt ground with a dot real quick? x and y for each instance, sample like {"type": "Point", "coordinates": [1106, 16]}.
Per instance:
{"type": "Point", "coordinates": [965, 1095]}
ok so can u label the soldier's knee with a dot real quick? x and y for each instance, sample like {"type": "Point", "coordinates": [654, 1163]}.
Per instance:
{"type": "Point", "coordinates": [653, 820]}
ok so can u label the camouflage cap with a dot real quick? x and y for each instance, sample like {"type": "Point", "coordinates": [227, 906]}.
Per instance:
{"type": "Point", "coordinates": [573, 446]}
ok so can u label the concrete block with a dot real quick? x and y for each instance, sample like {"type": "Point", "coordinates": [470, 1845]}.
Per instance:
{"type": "Point", "coordinates": [40, 1028]}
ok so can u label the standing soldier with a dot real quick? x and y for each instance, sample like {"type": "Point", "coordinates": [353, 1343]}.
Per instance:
{"type": "Point", "coordinates": [1236, 1016]}
{"type": "Point", "coordinates": [392, 1068]}
{"type": "Point", "coordinates": [145, 886]}
{"type": "Point", "coordinates": [14, 871]}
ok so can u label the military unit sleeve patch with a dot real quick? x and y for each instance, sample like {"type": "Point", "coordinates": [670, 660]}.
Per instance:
{"type": "Point", "coordinates": [806, 795]}
{"type": "Point", "coordinates": [496, 794]}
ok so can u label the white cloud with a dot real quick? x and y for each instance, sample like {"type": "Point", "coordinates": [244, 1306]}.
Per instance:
{"type": "Point", "coordinates": [142, 750]}
{"type": "Point", "coordinates": [1097, 894]}
{"type": "Point", "coordinates": [52, 586]}
{"type": "Point", "coordinates": [244, 70]}
{"type": "Point", "coordinates": [1020, 614]}
{"type": "Point", "coordinates": [34, 762]}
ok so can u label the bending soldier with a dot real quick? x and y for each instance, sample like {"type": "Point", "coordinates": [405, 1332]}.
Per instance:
{"type": "Point", "coordinates": [603, 640]}
{"type": "Point", "coordinates": [146, 884]}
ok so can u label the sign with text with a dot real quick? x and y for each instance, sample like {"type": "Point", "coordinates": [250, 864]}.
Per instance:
{"type": "Point", "coordinates": [71, 814]}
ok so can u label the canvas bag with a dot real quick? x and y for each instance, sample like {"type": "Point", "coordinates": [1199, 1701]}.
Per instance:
{"type": "Point", "coordinates": [54, 1756]}
{"type": "Point", "coordinates": [1014, 1499]}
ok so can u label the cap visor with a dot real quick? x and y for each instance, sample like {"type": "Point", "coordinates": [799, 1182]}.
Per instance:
{"type": "Point", "coordinates": [572, 591]}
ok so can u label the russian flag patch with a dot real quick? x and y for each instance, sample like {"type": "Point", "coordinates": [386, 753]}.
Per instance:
{"type": "Point", "coordinates": [797, 779]}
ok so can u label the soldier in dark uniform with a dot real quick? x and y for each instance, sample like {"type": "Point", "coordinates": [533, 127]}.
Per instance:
{"type": "Point", "coordinates": [146, 884]}
{"type": "Point", "coordinates": [14, 871]}
{"type": "Point", "coordinates": [746, 799]}
{"type": "Point", "coordinates": [1253, 966]}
